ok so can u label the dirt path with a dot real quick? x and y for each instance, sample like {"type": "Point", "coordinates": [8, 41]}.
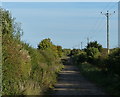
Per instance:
{"type": "Point", "coordinates": [71, 82]}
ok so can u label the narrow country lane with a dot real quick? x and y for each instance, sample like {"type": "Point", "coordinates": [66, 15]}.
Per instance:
{"type": "Point", "coordinates": [71, 82]}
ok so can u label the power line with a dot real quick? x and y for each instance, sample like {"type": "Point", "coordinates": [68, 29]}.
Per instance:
{"type": "Point", "coordinates": [99, 21]}
{"type": "Point", "coordinates": [98, 25]}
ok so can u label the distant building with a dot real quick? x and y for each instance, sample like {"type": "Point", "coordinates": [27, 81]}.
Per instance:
{"type": "Point", "coordinates": [119, 24]}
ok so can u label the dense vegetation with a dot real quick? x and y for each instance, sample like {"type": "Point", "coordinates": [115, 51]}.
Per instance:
{"type": "Point", "coordinates": [100, 67]}
{"type": "Point", "coordinates": [31, 71]}
{"type": "Point", "coordinates": [27, 70]}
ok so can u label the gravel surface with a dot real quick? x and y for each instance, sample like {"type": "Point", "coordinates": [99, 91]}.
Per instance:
{"type": "Point", "coordinates": [71, 82]}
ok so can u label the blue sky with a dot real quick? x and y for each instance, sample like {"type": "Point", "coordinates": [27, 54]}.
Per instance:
{"type": "Point", "coordinates": [67, 24]}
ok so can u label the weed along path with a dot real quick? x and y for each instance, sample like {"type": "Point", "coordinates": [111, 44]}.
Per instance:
{"type": "Point", "coordinates": [71, 82]}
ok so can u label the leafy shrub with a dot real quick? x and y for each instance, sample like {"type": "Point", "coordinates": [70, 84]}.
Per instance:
{"type": "Point", "coordinates": [93, 52]}
{"type": "Point", "coordinates": [66, 52]}
{"type": "Point", "coordinates": [75, 52]}
{"type": "Point", "coordinates": [114, 61]}
{"type": "Point", "coordinates": [45, 43]}
{"type": "Point", "coordinates": [59, 51]}
{"type": "Point", "coordinates": [94, 45]}
{"type": "Point", "coordinates": [82, 57]}
{"type": "Point", "coordinates": [16, 66]}
{"type": "Point", "coordinates": [26, 70]}
{"type": "Point", "coordinates": [92, 55]}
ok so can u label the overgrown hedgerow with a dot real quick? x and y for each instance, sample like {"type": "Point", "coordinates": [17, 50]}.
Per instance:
{"type": "Point", "coordinates": [26, 70]}
{"type": "Point", "coordinates": [100, 67]}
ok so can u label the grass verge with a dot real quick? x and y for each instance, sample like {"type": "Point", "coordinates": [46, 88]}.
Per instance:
{"type": "Point", "coordinates": [108, 82]}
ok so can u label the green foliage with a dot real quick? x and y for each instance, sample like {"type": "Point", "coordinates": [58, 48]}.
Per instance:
{"type": "Point", "coordinates": [109, 83]}
{"type": "Point", "coordinates": [16, 66]}
{"type": "Point", "coordinates": [26, 70]}
{"type": "Point", "coordinates": [9, 26]}
{"type": "Point", "coordinates": [59, 49]}
{"type": "Point", "coordinates": [114, 61]}
{"type": "Point", "coordinates": [93, 52]}
{"type": "Point", "coordinates": [7, 22]}
{"type": "Point", "coordinates": [74, 52]}
{"type": "Point", "coordinates": [16, 60]}
{"type": "Point", "coordinates": [101, 68]}
{"type": "Point", "coordinates": [45, 44]}
{"type": "Point", "coordinates": [94, 45]}
{"type": "Point", "coordinates": [66, 52]}
{"type": "Point", "coordinates": [82, 57]}
{"type": "Point", "coordinates": [18, 32]}
{"type": "Point", "coordinates": [90, 54]}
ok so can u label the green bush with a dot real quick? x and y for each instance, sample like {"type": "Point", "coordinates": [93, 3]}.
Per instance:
{"type": "Point", "coordinates": [114, 61]}
{"type": "Point", "coordinates": [16, 66]}
{"type": "Point", "coordinates": [92, 55]}
{"type": "Point", "coordinates": [45, 44]}
{"type": "Point", "coordinates": [66, 52]}
{"type": "Point", "coordinates": [75, 52]}
{"type": "Point", "coordinates": [82, 57]}
{"type": "Point", "coordinates": [109, 83]}
{"type": "Point", "coordinates": [94, 45]}
{"type": "Point", "coordinates": [26, 70]}
{"type": "Point", "coordinates": [93, 52]}
{"type": "Point", "coordinates": [59, 51]}
{"type": "Point", "coordinates": [99, 67]}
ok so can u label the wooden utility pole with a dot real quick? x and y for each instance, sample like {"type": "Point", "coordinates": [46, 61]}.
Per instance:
{"type": "Point", "coordinates": [108, 41]}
